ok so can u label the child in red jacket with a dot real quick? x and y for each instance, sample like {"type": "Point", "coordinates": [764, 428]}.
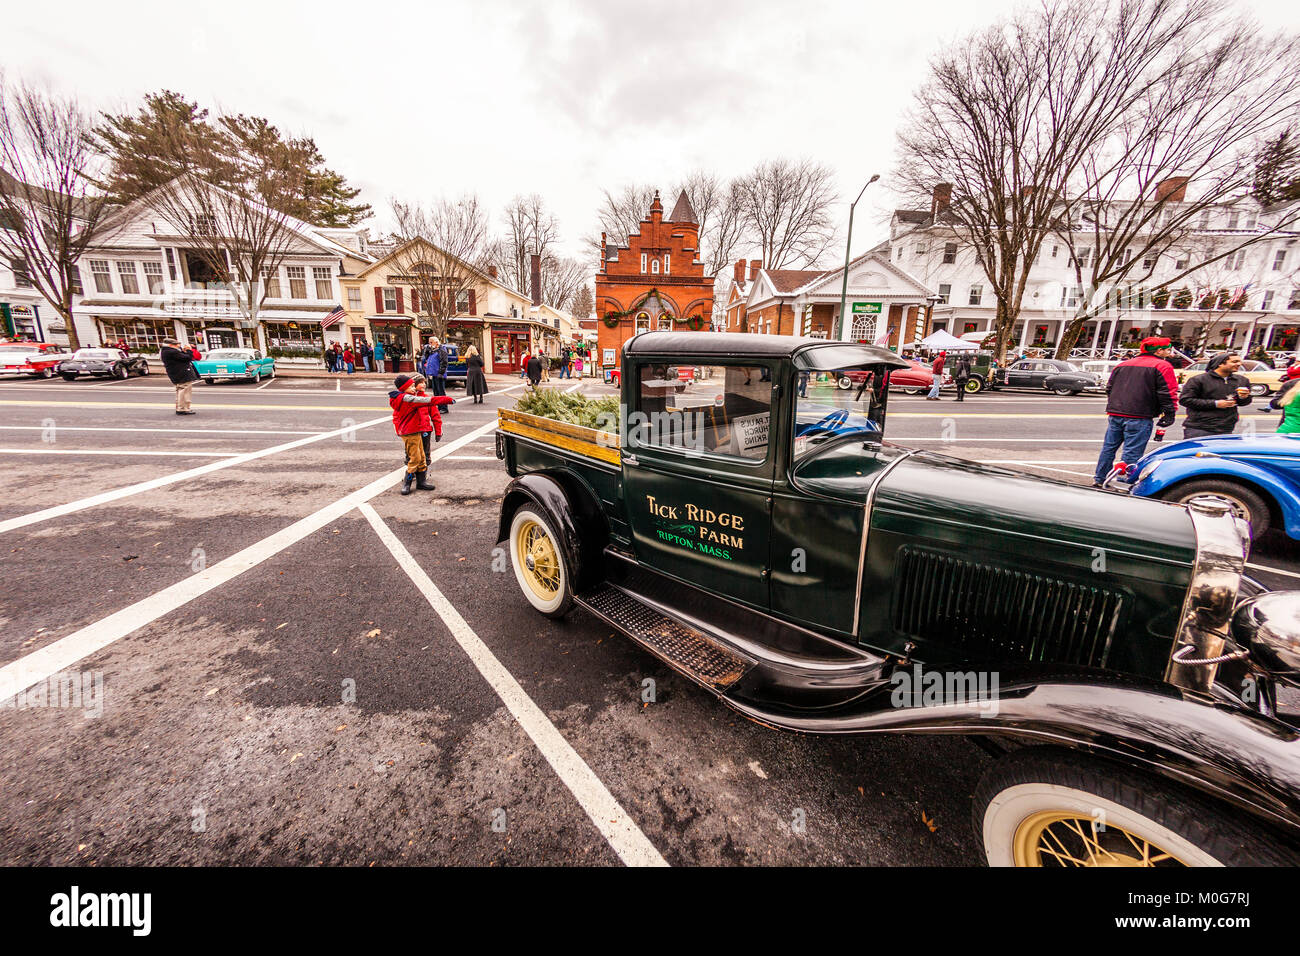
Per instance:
{"type": "Point", "coordinates": [415, 415]}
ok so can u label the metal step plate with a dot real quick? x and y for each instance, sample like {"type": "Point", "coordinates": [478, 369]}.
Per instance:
{"type": "Point", "coordinates": [689, 650]}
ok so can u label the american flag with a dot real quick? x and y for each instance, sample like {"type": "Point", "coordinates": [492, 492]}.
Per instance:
{"type": "Point", "coordinates": [333, 317]}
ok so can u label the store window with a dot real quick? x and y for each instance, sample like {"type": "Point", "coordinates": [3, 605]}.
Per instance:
{"type": "Point", "coordinates": [324, 282]}
{"type": "Point", "coordinates": [665, 323]}
{"type": "Point", "coordinates": [126, 274]}
{"type": "Point", "coordinates": [141, 335]}
{"type": "Point", "coordinates": [643, 322]}
{"type": "Point", "coordinates": [153, 277]}
{"type": "Point", "coordinates": [303, 337]}
{"type": "Point", "coordinates": [710, 410]}
{"type": "Point", "coordinates": [297, 282]}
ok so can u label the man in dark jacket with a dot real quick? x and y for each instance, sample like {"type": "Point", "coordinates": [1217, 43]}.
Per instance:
{"type": "Point", "coordinates": [179, 364]}
{"type": "Point", "coordinates": [1212, 398]}
{"type": "Point", "coordinates": [1138, 391]}
{"type": "Point", "coordinates": [961, 375]}
{"type": "Point", "coordinates": [534, 370]}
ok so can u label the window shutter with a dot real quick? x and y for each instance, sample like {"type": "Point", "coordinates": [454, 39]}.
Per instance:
{"type": "Point", "coordinates": [473, 302]}
{"type": "Point", "coordinates": [399, 300]}
{"type": "Point", "coordinates": [379, 299]}
{"type": "Point", "coordinates": [415, 301]}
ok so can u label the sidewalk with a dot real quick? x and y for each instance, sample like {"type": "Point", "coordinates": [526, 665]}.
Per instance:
{"type": "Point", "coordinates": [494, 379]}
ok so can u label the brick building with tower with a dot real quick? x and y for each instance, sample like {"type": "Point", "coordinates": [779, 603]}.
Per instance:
{"type": "Point", "coordinates": [655, 282]}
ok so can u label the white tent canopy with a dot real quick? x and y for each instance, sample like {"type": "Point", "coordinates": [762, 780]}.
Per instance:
{"type": "Point", "coordinates": [944, 340]}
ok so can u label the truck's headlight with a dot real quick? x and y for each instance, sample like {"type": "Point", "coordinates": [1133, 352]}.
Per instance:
{"type": "Point", "coordinates": [1269, 625]}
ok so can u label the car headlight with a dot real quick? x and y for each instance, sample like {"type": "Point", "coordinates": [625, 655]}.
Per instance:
{"type": "Point", "coordinates": [1148, 471]}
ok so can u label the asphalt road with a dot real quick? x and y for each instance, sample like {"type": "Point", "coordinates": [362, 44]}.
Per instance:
{"type": "Point", "coordinates": [279, 687]}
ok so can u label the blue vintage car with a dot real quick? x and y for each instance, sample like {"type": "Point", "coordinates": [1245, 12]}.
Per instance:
{"type": "Point", "coordinates": [245, 364]}
{"type": "Point", "coordinates": [1258, 477]}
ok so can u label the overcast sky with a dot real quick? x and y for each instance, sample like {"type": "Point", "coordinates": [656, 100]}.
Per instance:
{"type": "Point", "coordinates": [558, 97]}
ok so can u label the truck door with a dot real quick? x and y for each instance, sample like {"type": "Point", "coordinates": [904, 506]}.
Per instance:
{"type": "Point", "coordinates": [697, 473]}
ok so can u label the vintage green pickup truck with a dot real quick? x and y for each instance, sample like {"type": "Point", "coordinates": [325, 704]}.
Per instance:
{"type": "Point", "coordinates": [759, 535]}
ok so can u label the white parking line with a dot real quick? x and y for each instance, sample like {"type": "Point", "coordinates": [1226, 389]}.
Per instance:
{"type": "Point", "coordinates": [613, 822]}
{"type": "Point", "coordinates": [118, 451]}
{"type": "Point", "coordinates": [59, 510]}
{"type": "Point", "coordinates": [61, 654]}
{"type": "Point", "coordinates": [269, 381]}
{"type": "Point", "coordinates": [572, 389]}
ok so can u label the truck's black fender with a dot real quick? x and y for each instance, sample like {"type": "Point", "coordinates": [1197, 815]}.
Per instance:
{"type": "Point", "coordinates": [1227, 752]}
{"type": "Point", "coordinates": [572, 508]}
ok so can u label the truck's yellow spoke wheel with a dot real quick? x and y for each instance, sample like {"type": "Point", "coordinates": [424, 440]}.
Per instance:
{"type": "Point", "coordinates": [537, 555]}
{"type": "Point", "coordinates": [1063, 838]}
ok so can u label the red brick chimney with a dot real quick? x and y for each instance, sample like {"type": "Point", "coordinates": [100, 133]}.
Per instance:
{"type": "Point", "coordinates": [536, 279]}
{"type": "Point", "coordinates": [738, 273]}
{"type": "Point", "coordinates": [493, 272]}
{"type": "Point", "coordinates": [942, 199]}
{"type": "Point", "coordinates": [754, 266]}
{"type": "Point", "coordinates": [1173, 189]}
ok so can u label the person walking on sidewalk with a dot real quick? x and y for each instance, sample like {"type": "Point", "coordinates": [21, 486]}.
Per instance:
{"type": "Point", "coordinates": [1212, 398]}
{"type": "Point", "coordinates": [179, 364]}
{"type": "Point", "coordinates": [937, 368]}
{"type": "Point", "coordinates": [1138, 390]}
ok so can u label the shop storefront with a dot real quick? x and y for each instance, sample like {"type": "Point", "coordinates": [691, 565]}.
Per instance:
{"type": "Point", "coordinates": [140, 335]}
{"type": "Point", "coordinates": [464, 334]}
{"type": "Point", "coordinates": [510, 344]}
{"type": "Point", "coordinates": [294, 338]}
{"type": "Point", "coordinates": [399, 345]}
{"type": "Point", "coordinates": [21, 321]}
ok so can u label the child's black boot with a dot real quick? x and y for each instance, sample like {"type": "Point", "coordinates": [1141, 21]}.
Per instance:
{"type": "Point", "coordinates": [421, 483]}
{"type": "Point", "coordinates": [408, 482]}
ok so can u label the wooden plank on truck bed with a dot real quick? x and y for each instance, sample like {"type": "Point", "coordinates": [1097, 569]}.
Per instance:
{"type": "Point", "coordinates": [591, 442]}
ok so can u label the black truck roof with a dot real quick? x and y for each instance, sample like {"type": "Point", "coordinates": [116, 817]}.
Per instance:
{"type": "Point", "coordinates": [812, 354]}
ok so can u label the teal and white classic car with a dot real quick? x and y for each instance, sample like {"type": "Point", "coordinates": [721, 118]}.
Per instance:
{"type": "Point", "coordinates": [246, 364]}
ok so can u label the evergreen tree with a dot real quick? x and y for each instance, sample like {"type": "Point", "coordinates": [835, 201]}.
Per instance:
{"type": "Point", "coordinates": [169, 135]}
{"type": "Point", "coordinates": [1277, 171]}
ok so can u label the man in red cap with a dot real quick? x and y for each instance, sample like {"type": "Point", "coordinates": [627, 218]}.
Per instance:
{"type": "Point", "coordinates": [1138, 391]}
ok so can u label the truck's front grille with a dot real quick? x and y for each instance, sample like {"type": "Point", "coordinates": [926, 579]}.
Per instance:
{"type": "Point", "coordinates": [996, 613]}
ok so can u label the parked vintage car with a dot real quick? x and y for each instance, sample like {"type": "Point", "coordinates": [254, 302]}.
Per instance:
{"type": "Point", "coordinates": [778, 552]}
{"type": "Point", "coordinates": [247, 365]}
{"type": "Point", "coordinates": [457, 368]}
{"type": "Point", "coordinates": [1256, 477]}
{"type": "Point", "coordinates": [31, 358]}
{"type": "Point", "coordinates": [914, 379]}
{"type": "Point", "coordinates": [1263, 378]}
{"type": "Point", "coordinates": [1100, 368]}
{"type": "Point", "coordinates": [1055, 375]}
{"type": "Point", "coordinates": [100, 363]}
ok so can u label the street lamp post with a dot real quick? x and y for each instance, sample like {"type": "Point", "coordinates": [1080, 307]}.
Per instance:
{"type": "Point", "coordinates": [932, 299]}
{"type": "Point", "coordinates": [848, 246]}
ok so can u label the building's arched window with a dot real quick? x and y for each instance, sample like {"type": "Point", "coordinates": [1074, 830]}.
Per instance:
{"type": "Point", "coordinates": [864, 327]}
{"type": "Point", "coordinates": [643, 322]}
{"type": "Point", "coordinates": [654, 267]}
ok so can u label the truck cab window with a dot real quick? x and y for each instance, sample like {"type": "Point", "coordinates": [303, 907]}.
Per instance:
{"type": "Point", "coordinates": [710, 409]}
{"type": "Point", "coordinates": [830, 405]}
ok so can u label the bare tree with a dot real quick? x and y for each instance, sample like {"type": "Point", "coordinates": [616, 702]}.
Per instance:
{"type": "Point", "coordinates": [719, 206]}
{"type": "Point", "coordinates": [443, 254]}
{"type": "Point", "coordinates": [49, 209]}
{"type": "Point", "coordinates": [1185, 152]}
{"type": "Point", "coordinates": [531, 229]}
{"type": "Point", "coordinates": [786, 207]}
{"type": "Point", "coordinates": [561, 280]}
{"type": "Point", "coordinates": [620, 213]}
{"type": "Point", "coordinates": [1009, 114]}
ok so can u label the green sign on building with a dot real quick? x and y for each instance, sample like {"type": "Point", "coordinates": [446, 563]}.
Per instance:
{"type": "Point", "coordinates": [866, 308]}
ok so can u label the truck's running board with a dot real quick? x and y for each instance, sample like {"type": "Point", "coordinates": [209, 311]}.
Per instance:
{"type": "Point", "coordinates": [686, 649]}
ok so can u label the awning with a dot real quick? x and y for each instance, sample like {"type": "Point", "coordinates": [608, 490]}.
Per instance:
{"type": "Point", "coordinates": [943, 339]}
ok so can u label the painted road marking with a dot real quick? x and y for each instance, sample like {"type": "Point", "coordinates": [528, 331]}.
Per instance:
{"type": "Point", "coordinates": [192, 431]}
{"type": "Point", "coordinates": [269, 381]}
{"type": "Point", "coordinates": [59, 510]}
{"type": "Point", "coordinates": [59, 655]}
{"type": "Point", "coordinates": [118, 451]}
{"type": "Point", "coordinates": [1272, 570]}
{"type": "Point", "coordinates": [613, 822]}
{"type": "Point", "coordinates": [573, 388]}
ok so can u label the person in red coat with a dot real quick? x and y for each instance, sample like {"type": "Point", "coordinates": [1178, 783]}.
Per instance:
{"type": "Point", "coordinates": [415, 416]}
{"type": "Point", "coordinates": [937, 369]}
{"type": "Point", "coordinates": [349, 359]}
